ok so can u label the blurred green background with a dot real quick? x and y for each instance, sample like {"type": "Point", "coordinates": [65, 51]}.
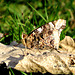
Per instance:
{"type": "Point", "coordinates": [17, 16]}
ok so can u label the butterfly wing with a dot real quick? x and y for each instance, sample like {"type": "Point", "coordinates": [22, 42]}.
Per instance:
{"type": "Point", "coordinates": [45, 37]}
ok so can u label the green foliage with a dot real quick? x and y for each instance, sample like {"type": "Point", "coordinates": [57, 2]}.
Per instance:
{"type": "Point", "coordinates": [11, 72]}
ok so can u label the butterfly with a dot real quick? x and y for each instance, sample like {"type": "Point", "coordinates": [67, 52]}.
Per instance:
{"type": "Point", "coordinates": [46, 36]}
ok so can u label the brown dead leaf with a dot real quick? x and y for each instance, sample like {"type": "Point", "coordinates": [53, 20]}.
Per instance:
{"type": "Point", "coordinates": [46, 62]}
{"type": "Point", "coordinates": [68, 44]}
{"type": "Point", "coordinates": [40, 60]}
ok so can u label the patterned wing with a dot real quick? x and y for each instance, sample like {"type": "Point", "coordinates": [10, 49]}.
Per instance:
{"type": "Point", "coordinates": [45, 37]}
